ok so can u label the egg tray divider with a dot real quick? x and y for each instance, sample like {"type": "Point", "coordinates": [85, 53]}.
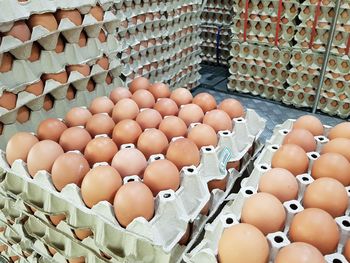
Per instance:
{"type": "Point", "coordinates": [60, 108]}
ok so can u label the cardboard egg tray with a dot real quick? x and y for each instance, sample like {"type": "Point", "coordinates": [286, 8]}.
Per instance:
{"type": "Point", "coordinates": [206, 250]}
{"type": "Point", "coordinates": [334, 106]}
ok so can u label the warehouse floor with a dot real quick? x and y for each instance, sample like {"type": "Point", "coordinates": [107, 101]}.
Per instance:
{"type": "Point", "coordinates": [214, 81]}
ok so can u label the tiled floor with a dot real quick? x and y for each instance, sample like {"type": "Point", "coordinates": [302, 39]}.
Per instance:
{"type": "Point", "coordinates": [214, 81]}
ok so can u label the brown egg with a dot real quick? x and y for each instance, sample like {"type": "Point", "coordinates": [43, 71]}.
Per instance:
{"type": "Point", "coordinates": [51, 129]}
{"type": "Point", "coordinates": [173, 126]}
{"type": "Point", "coordinates": [280, 183]}
{"type": "Point", "coordinates": [52, 250]}
{"type": "Point", "coordinates": [100, 123]}
{"type": "Point", "coordinates": [42, 156]}
{"type": "Point", "coordinates": [265, 212]}
{"type": "Point", "coordinates": [35, 54]}
{"type": "Point", "coordinates": [244, 238]}
{"type": "Point", "coordinates": [302, 138]}
{"type": "Point", "coordinates": [97, 12]}
{"type": "Point", "coordinates": [61, 77]}
{"type": "Point", "coordinates": [100, 149]}
{"type": "Point", "coordinates": [8, 100]}
{"type": "Point", "coordinates": [160, 90]}
{"type": "Point", "coordinates": [148, 118]}
{"type": "Point", "coordinates": [109, 79]}
{"type": "Point", "coordinates": [183, 152]}
{"type": "Point", "coordinates": [166, 107]}
{"type": "Point", "coordinates": [83, 69]}
{"type": "Point", "coordinates": [143, 99]}
{"type": "Point", "coordinates": [73, 15]}
{"type": "Point", "coordinates": [48, 102]}
{"type": "Point", "coordinates": [206, 101]}
{"type": "Point", "coordinates": [74, 139]}
{"type": "Point", "coordinates": [341, 130]}
{"type": "Point", "coordinates": [161, 175]}
{"type": "Point", "coordinates": [299, 252]}
{"type": "Point", "coordinates": [218, 184]}
{"type": "Point", "coordinates": [186, 237]}
{"type": "Point", "coordinates": [310, 123]}
{"type": "Point", "coordinates": [191, 113]}
{"type": "Point", "coordinates": [6, 62]}
{"type": "Point", "coordinates": [46, 20]}
{"type": "Point", "coordinates": [101, 183]}
{"type": "Point", "coordinates": [77, 116]}
{"type": "Point", "coordinates": [102, 36]}
{"type": "Point", "coordinates": [77, 260]}
{"type": "Point", "coordinates": [70, 93]}
{"type": "Point", "coordinates": [83, 233]}
{"type": "Point", "coordinates": [338, 145]}
{"type": "Point", "coordinates": [125, 109]}
{"type": "Point", "coordinates": [60, 45]}
{"type": "Point", "coordinates": [103, 62]}
{"type": "Point", "coordinates": [56, 219]}
{"type": "Point", "coordinates": [90, 86]}
{"type": "Point", "coordinates": [133, 200]}
{"type": "Point", "coordinates": [23, 114]}
{"type": "Point", "coordinates": [181, 96]}
{"type": "Point", "coordinates": [69, 168]}
{"type": "Point", "coordinates": [101, 104]}
{"type": "Point", "coordinates": [316, 227]}
{"type": "Point", "coordinates": [232, 107]}
{"type": "Point", "coordinates": [218, 120]}
{"type": "Point", "coordinates": [327, 194]}
{"type": "Point", "coordinates": [332, 165]}
{"type": "Point", "coordinates": [126, 131]}
{"type": "Point", "coordinates": [291, 157]}
{"type": "Point", "coordinates": [19, 30]}
{"type": "Point", "coordinates": [346, 250]}
{"type": "Point", "coordinates": [203, 135]}
{"type": "Point", "coordinates": [152, 141]}
{"type": "Point", "coordinates": [19, 146]}
{"type": "Point", "coordinates": [139, 83]}
{"type": "Point", "coordinates": [119, 93]}
{"type": "Point", "coordinates": [82, 39]}
{"type": "Point", "coordinates": [121, 161]}
{"type": "Point", "coordinates": [35, 88]}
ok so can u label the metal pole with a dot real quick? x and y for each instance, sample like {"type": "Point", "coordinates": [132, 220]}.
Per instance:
{"type": "Point", "coordinates": [326, 56]}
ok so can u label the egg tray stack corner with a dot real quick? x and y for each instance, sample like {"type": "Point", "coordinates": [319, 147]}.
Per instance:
{"type": "Point", "coordinates": [206, 251]}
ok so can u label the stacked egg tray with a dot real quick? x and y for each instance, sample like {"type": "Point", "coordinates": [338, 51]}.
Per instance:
{"type": "Point", "coordinates": [161, 41]}
{"type": "Point", "coordinates": [206, 251]}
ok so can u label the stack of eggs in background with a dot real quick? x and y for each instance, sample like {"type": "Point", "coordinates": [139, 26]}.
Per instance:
{"type": "Point", "coordinates": [216, 31]}
{"type": "Point", "coordinates": [294, 205]}
{"type": "Point", "coordinates": [161, 41]}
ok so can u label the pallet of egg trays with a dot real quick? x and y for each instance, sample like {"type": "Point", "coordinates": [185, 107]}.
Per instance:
{"type": "Point", "coordinates": [176, 208]}
{"type": "Point", "coordinates": [160, 40]}
{"type": "Point", "coordinates": [216, 31]}
{"type": "Point", "coordinates": [259, 70]}
{"type": "Point", "coordinates": [326, 230]}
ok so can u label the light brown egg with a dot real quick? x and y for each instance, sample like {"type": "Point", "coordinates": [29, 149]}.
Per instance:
{"type": "Point", "coordinates": [133, 200]}
{"type": "Point", "coordinates": [52, 250]}
{"type": "Point", "coordinates": [73, 15]}
{"type": "Point", "coordinates": [341, 130]}
{"type": "Point", "coordinates": [218, 120]}
{"type": "Point", "coordinates": [100, 123]}
{"type": "Point", "coordinates": [101, 183]}
{"type": "Point", "coordinates": [191, 113]}
{"type": "Point", "coordinates": [244, 238]}
{"type": "Point", "coordinates": [183, 152]}
{"type": "Point", "coordinates": [23, 114]}
{"type": "Point", "coordinates": [42, 156]}
{"type": "Point", "coordinates": [160, 90]}
{"type": "Point", "coordinates": [46, 20]}
{"type": "Point", "coordinates": [125, 109]}
{"type": "Point", "coordinates": [299, 252]}
{"type": "Point", "coordinates": [121, 161]}
{"type": "Point", "coordinates": [101, 105]}
{"type": "Point", "coordinates": [83, 69]}
{"type": "Point", "coordinates": [90, 86]}
{"type": "Point", "coordinates": [119, 93]}
{"type": "Point", "coordinates": [19, 30]}
{"type": "Point", "coordinates": [310, 123]}
{"type": "Point", "coordinates": [181, 96]}
{"type": "Point", "coordinates": [332, 165]}
{"type": "Point", "coordinates": [218, 184]}
{"type": "Point", "coordinates": [203, 135]}
{"type": "Point", "coordinates": [232, 107]}
{"type": "Point", "coordinates": [6, 62]}
{"type": "Point", "coordinates": [56, 219]}
{"type": "Point", "coordinates": [279, 182]}
{"type": "Point", "coordinates": [75, 139]}
{"type": "Point", "coordinates": [206, 101]}
{"type": "Point", "coordinates": [346, 250]}
{"type": "Point", "coordinates": [291, 157]}
{"type": "Point", "coordinates": [8, 100]}
{"type": "Point", "coordinates": [316, 227]}
{"type": "Point", "coordinates": [173, 126]}
{"type": "Point", "coordinates": [126, 131]}
{"type": "Point", "coordinates": [148, 118]}
{"type": "Point", "coordinates": [83, 233]}
{"type": "Point", "coordinates": [35, 54]}
{"type": "Point", "coordinates": [69, 168]}
{"type": "Point", "coordinates": [139, 83]}
{"type": "Point", "coordinates": [71, 91]}
{"type": "Point", "coordinates": [60, 45]}
{"type": "Point", "coordinates": [338, 145]}
{"type": "Point", "coordinates": [48, 102]}
{"type": "Point", "coordinates": [143, 99]}
{"type": "Point", "coordinates": [102, 36]}
{"type": "Point", "coordinates": [109, 79]}
{"type": "Point", "coordinates": [61, 77]}
{"type": "Point", "coordinates": [77, 260]}
{"type": "Point", "coordinates": [51, 129]}
{"type": "Point", "coordinates": [97, 12]}
{"type": "Point", "coordinates": [152, 141]}
{"type": "Point", "coordinates": [82, 39]}
{"type": "Point", "coordinates": [19, 146]}
{"type": "Point", "coordinates": [301, 137]}
{"type": "Point", "coordinates": [100, 149]}
{"type": "Point", "coordinates": [103, 62]}
{"type": "Point", "coordinates": [166, 107]}
{"type": "Point", "coordinates": [77, 116]}
{"type": "Point", "coordinates": [327, 194]}
{"type": "Point", "coordinates": [161, 175]}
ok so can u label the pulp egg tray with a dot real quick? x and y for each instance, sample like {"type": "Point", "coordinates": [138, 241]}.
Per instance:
{"type": "Point", "coordinates": [333, 106]}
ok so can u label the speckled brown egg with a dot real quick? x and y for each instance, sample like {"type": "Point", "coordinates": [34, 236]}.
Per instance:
{"type": "Point", "coordinates": [121, 162]}
{"type": "Point", "coordinates": [338, 145]}
{"type": "Point", "coordinates": [139, 83]}
{"type": "Point", "coordinates": [203, 135]}
{"type": "Point", "coordinates": [341, 130]}
{"type": "Point", "coordinates": [191, 113]}
{"type": "Point", "coordinates": [77, 116]}
{"type": "Point", "coordinates": [119, 93]}
{"type": "Point", "coordinates": [126, 131]}
{"type": "Point", "coordinates": [181, 96]}
{"type": "Point", "coordinates": [143, 99]}
{"type": "Point", "coordinates": [160, 90]}
{"type": "Point", "coordinates": [148, 118]}
{"type": "Point", "coordinates": [218, 120]}
{"type": "Point", "coordinates": [19, 30]}
{"type": "Point", "coordinates": [206, 101]}
{"type": "Point", "coordinates": [166, 107]}
{"type": "Point", "coordinates": [100, 123]}
{"type": "Point", "coordinates": [183, 152]}
{"type": "Point", "coordinates": [100, 149]}
{"type": "Point", "coordinates": [232, 107]}
{"type": "Point", "coordinates": [46, 20]}
{"type": "Point", "coordinates": [97, 12]}
{"type": "Point", "coordinates": [125, 109]}
{"type": "Point", "coordinates": [51, 129]}
{"type": "Point", "coordinates": [8, 100]}
{"type": "Point", "coordinates": [19, 146]}
{"type": "Point", "coordinates": [299, 252]}
{"type": "Point", "coordinates": [152, 141]}
{"type": "Point", "coordinates": [73, 15]}
{"type": "Point", "coordinates": [74, 139]}
{"type": "Point", "coordinates": [310, 123]}
{"type": "Point", "coordinates": [101, 105]}
{"type": "Point", "coordinates": [301, 137]}
{"type": "Point", "coordinates": [173, 126]}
